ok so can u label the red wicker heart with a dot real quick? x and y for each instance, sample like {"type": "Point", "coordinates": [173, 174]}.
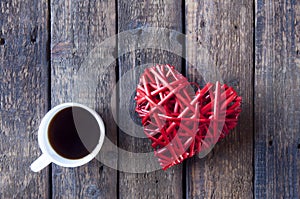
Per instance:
{"type": "Point", "coordinates": [179, 121]}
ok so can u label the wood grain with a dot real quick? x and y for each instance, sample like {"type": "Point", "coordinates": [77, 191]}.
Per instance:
{"type": "Point", "coordinates": [270, 149]}
{"type": "Point", "coordinates": [23, 98]}
{"type": "Point", "coordinates": [277, 106]}
{"type": "Point", "coordinates": [141, 15]}
{"type": "Point", "coordinates": [225, 30]}
{"type": "Point", "coordinates": [77, 29]}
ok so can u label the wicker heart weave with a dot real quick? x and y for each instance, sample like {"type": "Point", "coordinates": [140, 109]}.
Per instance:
{"type": "Point", "coordinates": [179, 121]}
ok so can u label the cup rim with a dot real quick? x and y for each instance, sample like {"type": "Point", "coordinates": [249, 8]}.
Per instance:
{"type": "Point", "coordinates": [48, 150]}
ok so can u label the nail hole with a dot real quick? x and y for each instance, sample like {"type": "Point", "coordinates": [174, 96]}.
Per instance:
{"type": "Point", "coordinates": [156, 181]}
{"type": "Point", "coordinates": [298, 146]}
{"type": "Point", "coordinates": [297, 52]}
{"type": "Point", "coordinates": [2, 41]}
{"type": "Point", "coordinates": [100, 169]}
{"type": "Point", "coordinates": [33, 35]}
{"type": "Point", "coordinates": [236, 27]}
{"type": "Point", "coordinates": [202, 24]}
{"type": "Point", "coordinates": [32, 39]}
{"type": "Point", "coordinates": [270, 143]}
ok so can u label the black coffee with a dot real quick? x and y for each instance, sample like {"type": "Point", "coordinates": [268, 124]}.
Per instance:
{"type": "Point", "coordinates": [73, 132]}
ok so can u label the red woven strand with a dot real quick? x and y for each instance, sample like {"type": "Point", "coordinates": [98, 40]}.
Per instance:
{"type": "Point", "coordinates": [179, 121]}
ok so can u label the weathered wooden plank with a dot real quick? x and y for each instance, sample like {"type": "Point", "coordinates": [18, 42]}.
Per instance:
{"type": "Point", "coordinates": [23, 98]}
{"type": "Point", "coordinates": [277, 106]}
{"type": "Point", "coordinates": [77, 29]}
{"type": "Point", "coordinates": [133, 15]}
{"type": "Point", "coordinates": [225, 29]}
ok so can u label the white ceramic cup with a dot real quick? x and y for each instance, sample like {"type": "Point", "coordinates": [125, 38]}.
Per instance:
{"type": "Point", "coordinates": [49, 154]}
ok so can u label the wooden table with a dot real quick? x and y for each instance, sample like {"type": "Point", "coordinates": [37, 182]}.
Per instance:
{"type": "Point", "coordinates": [254, 44]}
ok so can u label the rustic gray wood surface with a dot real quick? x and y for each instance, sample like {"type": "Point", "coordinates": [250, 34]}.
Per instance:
{"type": "Point", "coordinates": [23, 96]}
{"type": "Point", "coordinates": [134, 15]}
{"type": "Point", "coordinates": [225, 29]}
{"type": "Point", "coordinates": [49, 54]}
{"type": "Point", "coordinates": [76, 29]}
{"type": "Point", "coordinates": [277, 92]}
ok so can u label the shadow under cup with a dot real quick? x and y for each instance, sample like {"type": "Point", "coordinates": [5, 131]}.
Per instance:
{"type": "Point", "coordinates": [73, 132]}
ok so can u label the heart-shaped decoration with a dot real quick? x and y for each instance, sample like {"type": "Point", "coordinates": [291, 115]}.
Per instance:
{"type": "Point", "coordinates": [179, 121]}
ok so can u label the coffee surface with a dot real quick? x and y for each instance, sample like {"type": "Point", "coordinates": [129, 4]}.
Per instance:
{"type": "Point", "coordinates": [73, 132]}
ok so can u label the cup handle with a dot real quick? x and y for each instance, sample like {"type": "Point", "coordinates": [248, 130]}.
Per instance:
{"type": "Point", "coordinates": [40, 163]}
